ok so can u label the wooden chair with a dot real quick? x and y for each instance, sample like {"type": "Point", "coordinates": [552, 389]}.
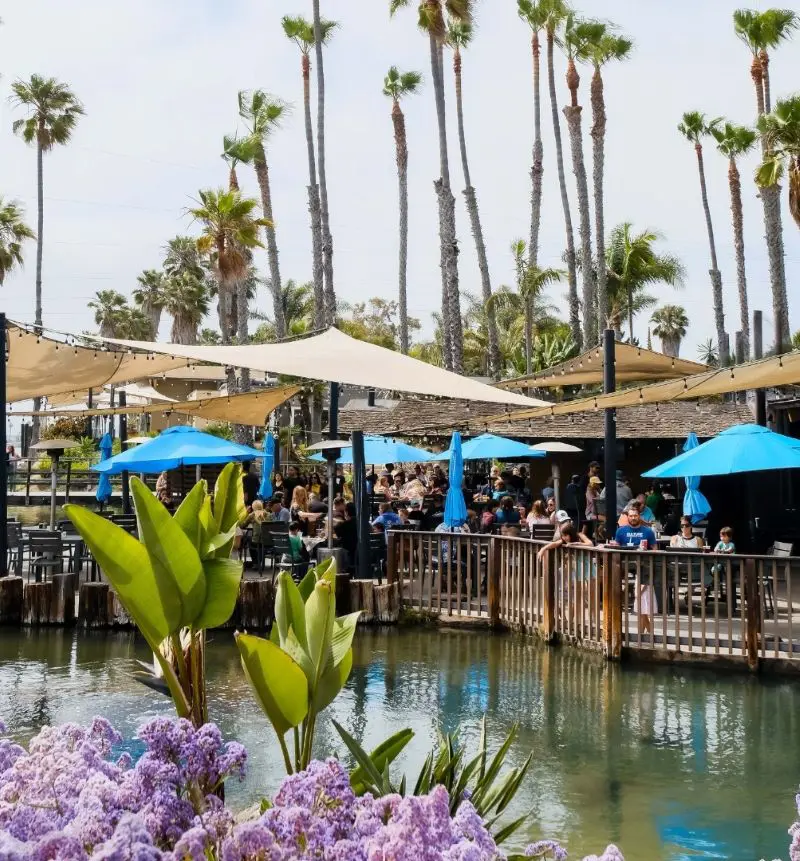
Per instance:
{"type": "Point", "coordinates": [781, 549]}
{"type": "Point", "coordinates": [542, 532]}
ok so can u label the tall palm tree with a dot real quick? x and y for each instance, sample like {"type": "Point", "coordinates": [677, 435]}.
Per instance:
{"type": "Point", "coordinates": [181, 256]}
{"type": "Point", "coordinates": [263, 114]}
{"type": "Point", "coordinates": [733, 142]}
{"type": "Point", "coordinates": [556, 12]}
{"type": "Point", "coordinates": [762, 32]}
{"type": "Point", "coordinates": [633, 264]}
{"type": "Point", "coordinates": [150, 297]}
{"type": "Point", "coordinates": [533, 13]}
{"type": "Point", "coordinates": [670, 325]}
{"type": "Point", "coordinates": [459, 35]}
{"type": "Point", "coordinates": [694, 128]}
{"type": "Point", "coordinates": [781, 130]}
{"type": "Point", "coordinates": [397, 85]}
{"type": "Point", "coordinates": [301, 32]}
{"type": "Point", "coordinates": [579, 36]}
{"type": "Point", "coordinates": [13, 234]}
{"type": "Point", "coordinates": [187, 301]}
{"type": "Point", "coordinates": [107, 306]}
{"type": "Point", "coordinates": [432, 22]}
{"type": "Point", "coordinates": [609, 47]}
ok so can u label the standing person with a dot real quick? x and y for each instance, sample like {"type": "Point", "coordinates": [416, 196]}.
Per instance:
{"type": "Point", "coordinates": [299, 506]}
{"type": "Point", "coordinates": [250, 483]}
{"type": "Point", "coordinates": [11, 465]}
{"type": "Point", "coordinates": [636, 533]}
{"type": "Point", "coordinates": [656, 503]}
{"type": "Point", "coordinates": [624, 494]}
{"type": "Point", "coordinates": [591, 515]}
{"type": "Point", "coordinates": [291, 481]}
{"type": "Point", "coordinates": [568, 534]}
{"type": "Point", "coordinates": [592, 472]}
{"type": "Point", "coordinates": [573, 501]}
{"type": "Point", "coordinates": [548, 491]}
{"type": "Point", "coordinates": [346, 532]}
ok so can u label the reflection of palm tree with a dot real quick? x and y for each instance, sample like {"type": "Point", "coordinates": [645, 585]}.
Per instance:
{"type": "Point", "coordinates": [670, 326]}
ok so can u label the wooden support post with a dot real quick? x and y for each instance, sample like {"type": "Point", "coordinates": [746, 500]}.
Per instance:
{"type": "Point", "coordinates": [62, 609]}
{"type": "Point", "coordinates": [612, 606]}
{"type": "Point", "coordinates": [362, 597]}
{"type": "Point", "coordinates": [11, 600]}
{"type": "Point", "coordinates": [118, 616]}
{"type": "Point", "coordinates": [28, 482]}
{"type": "Point", "coordinates": [93, 605]}
{"type": "Point", "coordinates": [387, 603]}
{"type": "Point", "coordinates": [752, 614]}
{"type": "Point", "coordinates": [493, 582]}
{"type": "Point", "coordinates": [342, 593]}
{"type": "Point", "coordinates": [548, 599]}
{"type": "Point", "coordinates": [36, 603]}
{"type": "Point", "coordinates": [391, 558]}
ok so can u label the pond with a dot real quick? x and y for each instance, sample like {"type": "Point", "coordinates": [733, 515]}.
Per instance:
{"type": "Point", "coordinates": [668, 764]}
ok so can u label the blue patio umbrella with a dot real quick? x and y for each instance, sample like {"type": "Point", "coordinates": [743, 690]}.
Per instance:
{"type": "Point", "coordinates": [695, 505]}
{"type": "Point", "coordinates": [455, 509]}
{"type": "Point", "coordinates": [104, 485]}
{"type": "Point", "coordinates": [742, 448]}
{"type": "Point", "coordinates": [174, 447]}
{"type": "Point", "coordinates": [491, 447]}
{"type": "Point", "coordinates": [268, 461]}
{"type": "Point", "coordinates": [381, 449]}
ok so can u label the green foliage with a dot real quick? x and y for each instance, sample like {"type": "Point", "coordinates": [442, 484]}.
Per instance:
{"type": "Point", "coordinates": [796, 340]}
{"type": "Point", "coordinates": [176, 580]}
{"type": "Point", "coordinates": [397, 84]}
{"type": "Point", "coordinates": [53, 111]}
{"type": "Point", "coordinates": [376, 322]}
{"type": "Point", "coordinates": [13, 233]}
{"type": "Point", "coordinates": [65, 427]}
{"type": "Point", "coordinates": [300, 670]}
{"type": "Point", "coordinates": [223, 430]}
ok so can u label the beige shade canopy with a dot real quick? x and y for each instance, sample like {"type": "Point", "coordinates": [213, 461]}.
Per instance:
{"type": "Point", "coordinates": [335, 357]}
{"type": "Point", "coordinates": [39, 366]}
{"type": "Point", "coordinates": [251, 408]}
{"type": "Point", "coordinates": [632, 364]}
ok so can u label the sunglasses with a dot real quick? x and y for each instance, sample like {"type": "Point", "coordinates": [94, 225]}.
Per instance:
{"type": "Point", "coordinates": [684, 525]}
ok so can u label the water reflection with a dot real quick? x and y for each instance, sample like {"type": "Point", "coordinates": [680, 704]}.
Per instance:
{"type": "Point", "coordinates": [670, 765]}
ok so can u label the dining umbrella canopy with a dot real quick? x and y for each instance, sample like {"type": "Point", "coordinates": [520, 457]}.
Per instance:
{"type": "Point", "coordinates": [104, 484]}
{"type": "Point", "coordinates": [174, 447]}
{"type": "Point", "coordinates": [382, 449]}
{"type": "Point", "coordinates": [695, 505]}
{"type": "Point", "coordinates": [455, 508]}
{"type": "Point", "coordinates": [267, 464]}
{"type": "Point", "coordinates": [742, 448]}
{"type": "Point", "coordinates": [491, 447]}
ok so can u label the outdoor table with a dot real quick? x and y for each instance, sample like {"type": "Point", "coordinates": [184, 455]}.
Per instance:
{"type": "Point", "coordinates": [311, 544]}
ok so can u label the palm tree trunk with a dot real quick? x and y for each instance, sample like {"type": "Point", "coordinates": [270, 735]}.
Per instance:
{"type": "Point", "coordinates": [572, 276]}
{"type": "Point", "coordinates": [734, 181]}
{"type": "Point", "coordinates": [763, 59]}
{"type": "Point", "coordinates": [716, 275]}
{"type": "Point", "coordinates": [401, 149]}
{"type": "Point", "coordinates": [327, 238]}
{"type": "Point", "coordinates": [630, 315]}
{"type": "Point", "coordinates": [314, 206]}
{"type": "Point", "coordinates": [599, 158]}
{"type": "Point", "coordinates": [477, 230]}
{"type": "Point", "coordinates": [773, 226]}
{"type": "Point", "coordinates": [242, 433]}
{"type": "Point", "coordinates": [184, 330]}
{"type": "Point", "coordinates": [528, 337]}
{"type": "Point", "coordinates": [262, 174]}
{"type": "Point", "coordinates": [37, 402]}
{"type": "Point", "coordinates": [573, 116]}
{"type": "Point", "coordinates": [537, 170]}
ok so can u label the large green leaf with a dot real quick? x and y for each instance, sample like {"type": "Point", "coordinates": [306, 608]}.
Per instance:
{"type": "Point", "coordinates": [386, 752]}
{"type": "Point", "coordinates": [208, 526]}
{"type": "Point", "coordinates": [188, 514]}
{"type": "Point", "coordinates": [308, 583]}
{"type": "Point", "coordinates": [223, 577]}
{"type": "Point", "coordinates": [279, 684]}
{"type": "Point", "coordinates": [219, 541]}
{"type": "Point", "coordinates": [326, 570]}
{"type": "Point", "coordinates": [151, 598]}
{"type": "Point", "coordinates": [290, 611]}
{"type": "Point", "coordinates": [371, 774]}
{"type": "Point", "coordinates": [331, 682]}
{"type": "Point", "coordinates": [344, 628]}
{"type": "Point", "coordinates": [320, 616]}
{"type": "Point", "coordinates": [171, 552]}
{"type": "Point", "coordinates": [228, 497]}
{"type": "Point", "coordinates": [292, 646]}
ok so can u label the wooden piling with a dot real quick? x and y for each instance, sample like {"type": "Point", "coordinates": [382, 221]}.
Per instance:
{"type": "Point", "coordinates": [362, 597]}
{"type": "Point", "coordinates": [36, 603]}
{"type": "Point", "coordinates": [343, 594]}
{"type": "Point", "coordinates": [752, 614]}
{"type": "Point", "coordinates": [387, 603]}
{"type": "Point", "coordinates": [93, 605]}
{"type": "Point", "coordinates": [62, 608]}
{"type": "Point", "coordinates": [548, 628]}
{"type": "Point", "coordinates": [11, 600]}
{"type": "Point", "coordinates": [493, 582]}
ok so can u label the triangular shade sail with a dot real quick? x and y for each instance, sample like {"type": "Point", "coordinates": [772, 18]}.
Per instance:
{"type": "Point", "coordinates": [335, 357]}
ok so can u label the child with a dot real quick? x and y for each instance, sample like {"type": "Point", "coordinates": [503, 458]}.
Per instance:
{"type": "Point", "coordinates": [725, 543]}
{"type": "Point", "coordinates": [299, 552]}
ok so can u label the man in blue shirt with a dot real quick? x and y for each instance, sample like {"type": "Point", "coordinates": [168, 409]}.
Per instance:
{"type": "Point", "coordinates": [635, 532]}
{"type": "Point", "coordinates": [386, 518]}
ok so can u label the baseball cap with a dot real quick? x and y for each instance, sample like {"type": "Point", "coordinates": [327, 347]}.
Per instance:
{"type": "Point", "coordinates": [595, 480]}
{"type": "Point", "coordinates": [562, 516]}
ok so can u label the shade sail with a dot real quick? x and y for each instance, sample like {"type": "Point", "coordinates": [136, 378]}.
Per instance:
{"type": "Point", "coordinates": [491, 447]}
{"type": "Point", "coordinates": [251, 408]}
{"type": "Point", "coordinates": [455, 508]}
{"type": "Point", "coordinates": [335, 357]}
{"type": "Point", "coordinates": [39, 365]}
{"type": "Point", "coordinates": [174, 447]}
{"type": "Point", "coordinates": [632, 364]}
{"type": "Point", "coordinates": [742, 448]}
{"type": "Point", "coordinates": [695, 505]}
{"type": "Point", "coordinates": [381, 449]}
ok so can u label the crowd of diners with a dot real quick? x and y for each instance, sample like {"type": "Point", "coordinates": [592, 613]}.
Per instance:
{"type": "Point", "coordinates": [501, 501]}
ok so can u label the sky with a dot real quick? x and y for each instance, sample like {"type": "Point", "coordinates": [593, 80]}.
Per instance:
{"type": "Point", "coordinates": [159, 84]}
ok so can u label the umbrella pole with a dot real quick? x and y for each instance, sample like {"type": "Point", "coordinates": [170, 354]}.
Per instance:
{"type": "Point", "coordinates": [53, 490]}
{"type": "Point", "coordinates": [333, 433]}
{"type": "Point", "coordinates": [362, 514]}
{"type": "Point", "coordinates": [556, 472]}
{"type": "Point", "coordinates": [123, 439]}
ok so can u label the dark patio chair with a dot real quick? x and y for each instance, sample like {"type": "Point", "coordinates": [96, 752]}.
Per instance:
{"type": "Point", "coordinates": [46, 554]}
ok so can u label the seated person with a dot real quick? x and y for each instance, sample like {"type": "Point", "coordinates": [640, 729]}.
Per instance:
{"type": "Point", "coordinates": [316, 505]}
{"type": "Point", "coordinates": [508, 517]}
{"type": "Point", "coordinates": [473, 521]}
{"type": "Point", "coordinates": [277, 511]}
{"type": "Point", "coordinates": [685, 538]}
{"type": "Point", "coordinates": [499, 490]}
{"type": "Point", "coordinates": [346, 531]}
{"type": "Point", "coordinates": [338, 508]}
{"type": "Point", "coordinates": [645, 514]}
{"type": "Point", "coordinates": [725, 543]}
{"type": "Point", "coordinates": [537, 516]}
{"type": "Point", "coordinates": [402, 513]}
{"type": "Point", "coordinates": [563, 519]}
{"type": "Point", "coordinates": [299, 552]}
{"type": "Point", "coordinates": [488, 516]}
{"type": "Point", "coordinates": [386, 517]}
{"type": "Point", "coordinates": [635, 532]}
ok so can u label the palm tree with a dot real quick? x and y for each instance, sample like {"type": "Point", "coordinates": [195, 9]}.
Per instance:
{"type": "Point", "coordinates": [397, 85]}
{"type": "Point", "coordinates": [13, 234]}
{"type": "Point", "coordinates": [301, 32]}
{"type": "Point", "coordinates": [781, 131]}
{"type": "Point", "coordinates": [432, 22]}
{"type": "Point", "coordinates": [150, 297]}
{"type": "Point", "coordinates": [555, 15]}
{"type": "Point", "coordinates": [633, 264]}
{"type": "Point", "coordinates": [532, 12]}
{"type": "Point", "coordinates": [762, 32]}
{"type": "Point", "coordinates": [579, 36]}
{"type": "Point", "coordinates": [670, 325]}
{"type": "Point", "coordinates": [132, 324]}
{"type": "Point", "coordinates": [181, 256]}
{"type": "Point", "coordinates": [107, 306]}
{"type": "Point", "coordinates": [187, 301]}
{"type": "Point", "coordinates": [605, 49]}
{"type": "Point", "coordinates": [708, 353]}
{"type": "Point", "coordinates": [459, 35]}
{"type": "Point", "coordinates": [694, 128]}
{"type": "Point", "coordinates": [734, 142]}
{"type": "Point", "coordinates": [263, 114]}
{"type": "Point", "coordinates": [297, 305]}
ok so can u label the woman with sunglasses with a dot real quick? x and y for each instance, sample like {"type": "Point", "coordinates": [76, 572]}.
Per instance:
{"type": "Point", "coordinates": [685, 538]}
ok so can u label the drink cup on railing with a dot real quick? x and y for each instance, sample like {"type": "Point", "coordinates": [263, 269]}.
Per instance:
{"type": "Point", "coordinates": [643, 544]}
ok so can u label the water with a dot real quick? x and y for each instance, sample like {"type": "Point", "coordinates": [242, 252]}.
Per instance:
{"type": "Point", "coordinates": [668, 764]}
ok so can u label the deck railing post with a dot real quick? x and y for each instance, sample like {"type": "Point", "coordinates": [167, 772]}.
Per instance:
{"type": "Point", "coordinates": [612, 605]}
{"type": "Point", "coordinates": [548, 598]}
{"type": "Point", "coordinates": [391, 558]}
{"type": "Point", "coordinates": [69, 476]}
{"type": "Point", "coordinates": [752, 613]}
{"type": "Point", "coordinates": [493, 582]}
{"type": "Point", "coordinates": [28, 483]}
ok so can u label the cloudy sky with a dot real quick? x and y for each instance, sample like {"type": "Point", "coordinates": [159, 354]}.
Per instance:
{"type": "Point", "coordinates": [159, 82]}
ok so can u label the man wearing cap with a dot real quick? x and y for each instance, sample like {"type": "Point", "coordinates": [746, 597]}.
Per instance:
{"type": "Point", "coordinates": [573, 501]}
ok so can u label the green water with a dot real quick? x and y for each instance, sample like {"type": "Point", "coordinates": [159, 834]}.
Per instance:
{"type": "Point", "coordinates": [669, 765]}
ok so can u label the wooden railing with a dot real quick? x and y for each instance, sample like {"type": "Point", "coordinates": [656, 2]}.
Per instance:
{"type": "Point", "coordinates": [692, 606]}
{"type": "Point", "coordinates": [28, 481]}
